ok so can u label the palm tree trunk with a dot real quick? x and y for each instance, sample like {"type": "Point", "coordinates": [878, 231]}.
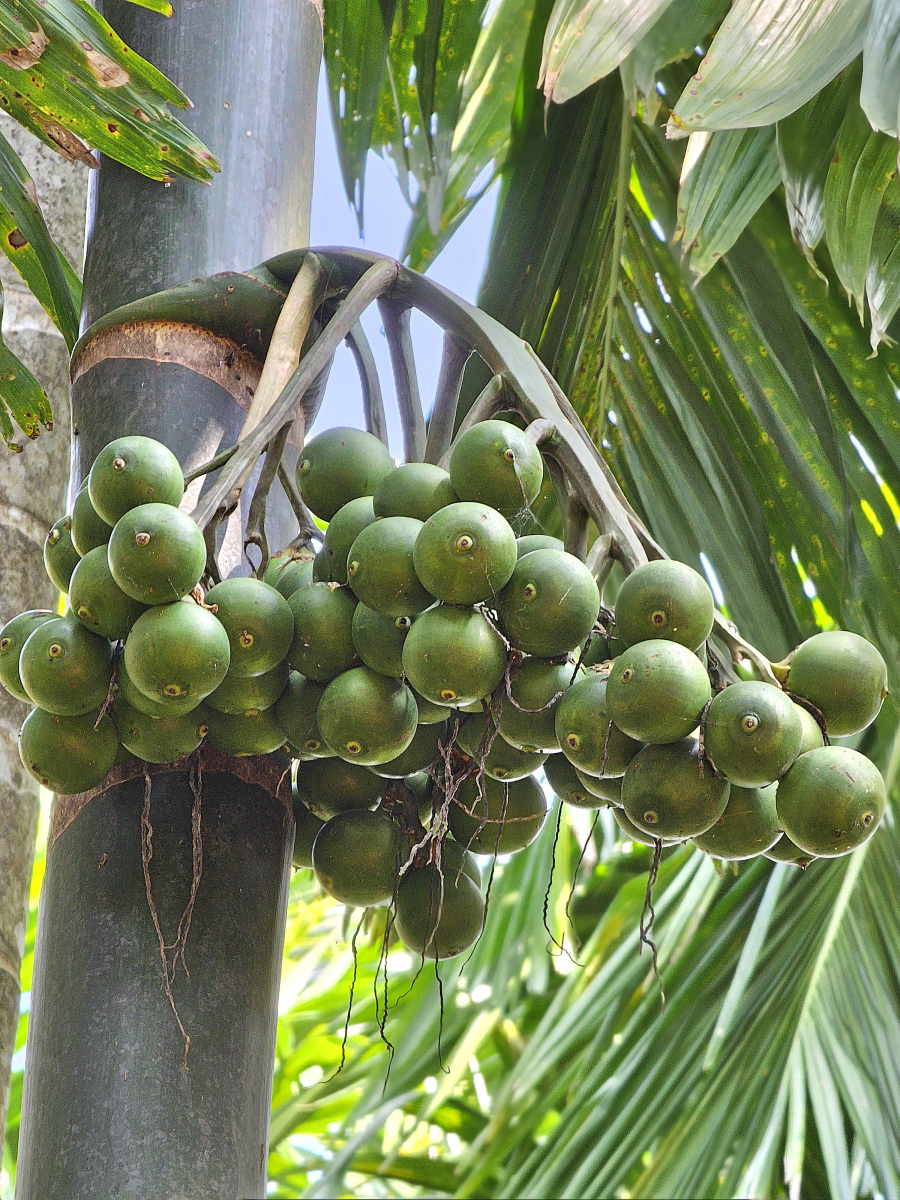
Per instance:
{"type": "Point", "coordinates": [115, 1103]}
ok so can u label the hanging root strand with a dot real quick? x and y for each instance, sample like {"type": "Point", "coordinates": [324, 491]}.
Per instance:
{"type": "Point", "coordinates": [648, 916]}
{"type": "Point", "coordinates": [146, 856]}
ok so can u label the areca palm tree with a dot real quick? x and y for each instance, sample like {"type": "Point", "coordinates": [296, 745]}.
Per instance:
{"type": "Point", "coordinates": [720, 317]}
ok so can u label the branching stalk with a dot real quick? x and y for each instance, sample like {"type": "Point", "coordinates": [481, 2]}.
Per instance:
{"type": "Point", "coordinates": [396, 329]}
{"type": "Point", "coordinates": [446, 398]}
{"type": "Point", "coordinates": [373, 401]}
{"type": "Point", "coordinates": [256, 518]}
{"type": "Point", "coordinates": [740, 649]}
{"type": "Point", "coordinates": [237, 470]}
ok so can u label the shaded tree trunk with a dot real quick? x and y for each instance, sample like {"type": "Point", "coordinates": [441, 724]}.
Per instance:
{"type": "Point", "coordinates": [114, 1104]}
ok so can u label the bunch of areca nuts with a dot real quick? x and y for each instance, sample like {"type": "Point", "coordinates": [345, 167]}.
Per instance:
{"type": "Point", "coordinates": [423, 669]}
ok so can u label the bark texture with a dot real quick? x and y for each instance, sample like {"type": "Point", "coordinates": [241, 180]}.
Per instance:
{"type": "Point", "coordinates": [32, 496]}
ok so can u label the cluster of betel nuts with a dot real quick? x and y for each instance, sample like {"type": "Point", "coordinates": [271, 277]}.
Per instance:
{"type": "Point", "coordinates": [423, 669]}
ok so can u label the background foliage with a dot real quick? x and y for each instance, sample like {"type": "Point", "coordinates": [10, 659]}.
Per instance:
{"type": "Point", "coordinates": [711, 306]}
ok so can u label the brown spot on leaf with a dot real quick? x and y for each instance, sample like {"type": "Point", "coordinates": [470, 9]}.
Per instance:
{"type": "Point", "coordinates": [106, 71]}
{"type": "Point", "coordinates": [20, 58]}
{"type": "Point", "coordinates": [111, 127]}
{"type": "Point", "coordinates": [68, 145]}
{"type": "Point", "coordinates": [16, 239]}
{"type": "Point", "coordinates": [141, 115]}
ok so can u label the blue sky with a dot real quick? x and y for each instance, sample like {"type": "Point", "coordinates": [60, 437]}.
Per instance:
{"type": "Point", "coordinates": [458, 267]}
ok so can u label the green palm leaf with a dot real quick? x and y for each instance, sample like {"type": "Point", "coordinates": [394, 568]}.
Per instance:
{"type": "Point", "coordinates": [69, 79]}
{"type": "Point", "coordinates": [768, 58]}
{"type": "Point", "coordinates": [26, 242]}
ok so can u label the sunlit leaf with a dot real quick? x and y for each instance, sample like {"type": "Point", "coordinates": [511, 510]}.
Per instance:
{"type": "Point", "coordinates": [725, 178]}
{"type": "Point", "coordinates": [586, 39]}
{"type": "Point", "coordinates": [768, 58]}
{"type": "Point", "coordinates": [160, 6]}
{"type": "Point", "coordinates": [880, 93]}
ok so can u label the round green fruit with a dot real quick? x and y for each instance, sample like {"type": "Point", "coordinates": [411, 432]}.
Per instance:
{"type": "Point", "coordinates": [453, 656]}
{"type": "Point", "coordinates": [286, 574]}
{"type": "Point", "coordinates": [156, 554]}
{"type": "Point", "coordinates": [495, 463]}
{"type": "Point", "coordinates": [537, 541]}
{"type": "Point", "coordinates": [465, 553]}
{"type": "Point", "coordinates": [60, 555]}
{"type": "Point", "coordinates": [258, 622]}
{"type": "Point", "coordinates": [550, 603]}
{"type": "Point", "coordinates": [160, 739]}
{"type": "Point", "coordinates": [381, 571]}
{"type": "Point", "coordinates": [296, 710]}
{"type": "Point", "coordinates": [429, 712]}
{"type": "Point", "coordinates": [177, 650]}
{"type": "Point", "coordinates": [244, 734]}
{"type": "Point", "coordinates": [13, 636]}
{"type": "Point", "coordinates": [608, 790]}
{"type": "Point", "coordinates": [379, 641]}
{"type": "Point", "coordinates": [440, 913]}
{"type": "Point", "coordinates": [667, 793]}
{"type": "Point", "coordinates": [356, 857]}
{"type": "Point", "coordinates": [88, 529]}
{"type": "Point", "coordinates": [565, 781]}
{"type": "Point", "coordinates": [843, 676]}
{"type": "Point", "coordinates": [635, 834]}
{"type": "Point", "coordinates": [664, 599]}
{"type": "Point", "coordinates": [831, 801]}
{"type": "Point", "coordinates": [306, 828]}
{"type": "Point", "coordinates": [656, 692]}
{"type": "Point", "coordinates": [64, 668]}
{"type": "Point", "coordinates": [328, 786]}
{"type": "Point", "coordinates": [67, 754]}
{"type": "Point", "coordinates": [497, 818]}
{"type": "Point", "coordinates": [132, 471]}
{"type": "Point", "coordinates": [812, 736]}
{"type": "Point", "coordinates": [164, 706]}
{"type": "Point", "coordinates": [240, 694]}
{"type": "Point", "coordinates": [343, 529]}
{"type": "Point", "coordinates": [785, 851]}
{"type": "Point", "coordinates": [418, 755]}
{"type": "Point", "coordinates": [752, 733]}
{"type": "Point", "coordinates": [413, 490]}
{"type": "Point", "coordinates": [322, 645]}
{"type": "Point", "coordinates": [528, 718]}
{"type": "Point", "coordinates": [502, 761]}
{"type": "Point", "coordinates": [367, 718]}
{"type": "Point", "coordinates": [587, 737]}
{"type": "Point", "coordinates": [97, 600]}
{"type": "Point", "coordinates": [749, 825]}
{"type": "Point", "coordinates": [338, 466]}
